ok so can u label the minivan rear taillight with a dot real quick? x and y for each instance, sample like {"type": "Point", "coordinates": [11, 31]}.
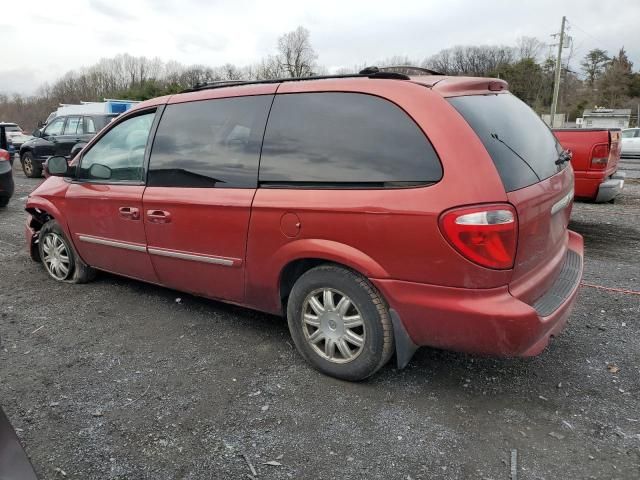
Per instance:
{"type": "Point", "coordinates": [4, 155]}
{"type": "Point", "coordinates": [600, 156]}
{"type": "Point", "coordinates": [484, 234]}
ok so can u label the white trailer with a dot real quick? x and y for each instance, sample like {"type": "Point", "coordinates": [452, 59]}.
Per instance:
{"type": "Point", "coordinates": [110, 105]}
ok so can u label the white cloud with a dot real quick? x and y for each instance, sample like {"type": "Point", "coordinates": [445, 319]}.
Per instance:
{"type": "Point", "coordinates": [344, 33]}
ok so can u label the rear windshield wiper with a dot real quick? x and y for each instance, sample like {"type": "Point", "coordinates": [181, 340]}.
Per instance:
{"type": "Point", "coordinates": [496, 137]}
{"type": "Point", "coordinates": [564, 156]}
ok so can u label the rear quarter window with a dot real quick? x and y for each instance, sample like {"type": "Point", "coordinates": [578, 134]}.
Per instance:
{"type": "Point", "coordinates": [336, 139]}
{"type": "Point", "coordinates": [522, 147]}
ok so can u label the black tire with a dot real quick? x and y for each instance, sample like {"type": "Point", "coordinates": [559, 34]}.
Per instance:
{"type": "Point", "coordinates": [30, 167]}
{"type": "Point", "coordinates": [77, 271]}
{"type": "Point", "coordinates": [4, 201]}
{"type": "Point", "coordinates": [377, 329]}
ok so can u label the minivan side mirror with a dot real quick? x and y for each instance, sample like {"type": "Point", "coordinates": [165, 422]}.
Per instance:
{"type": "Point", "coordinates": [37, 133]}
{"type": "Point", "coordinates": [99, 172]}
{"type": "Point", "coordinates": [56, 166]}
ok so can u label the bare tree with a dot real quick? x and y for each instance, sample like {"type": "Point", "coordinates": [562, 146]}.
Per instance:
{"type": "Point", "coordinates": [296, 55]}
{"type": "Point", "coordinates": [470, 60]}
{"type": "Point", "coordinates": [529, 47]}
{"type": "Point", "coordinates": [397, 60]}
{"type": "Point", "coordinates": [440, 62]}
{"type": "Point", "coordinates": [269, 68]}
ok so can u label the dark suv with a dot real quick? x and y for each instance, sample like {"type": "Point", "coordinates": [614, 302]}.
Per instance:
{"type": "Point", "coordinates": [64, 136]}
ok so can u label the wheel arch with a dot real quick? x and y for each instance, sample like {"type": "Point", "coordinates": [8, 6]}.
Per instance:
{"type": "Point", "coordinates": [296, 258]}
{"type": "Point", "coordinates": [342, 255]}
{"type": "Point", "coordinates": [41, 211]}
{"type": "Point", "coordinates": [25, 149]}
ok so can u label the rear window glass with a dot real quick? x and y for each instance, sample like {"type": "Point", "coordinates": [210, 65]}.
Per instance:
{"type": "Point", "coordinates": [12, 128]}
{"type": "Point", "coordinates": [345, 140]}
{"type": "Point", "coordinates": [522, 147]}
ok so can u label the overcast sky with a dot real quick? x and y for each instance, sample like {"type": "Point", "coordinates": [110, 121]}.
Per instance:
{"type": "Point", "coordinates": [51, 38]}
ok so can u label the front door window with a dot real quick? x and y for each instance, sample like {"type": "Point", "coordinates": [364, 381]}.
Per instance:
{"type": "Point", "coordinates": [119, 155]}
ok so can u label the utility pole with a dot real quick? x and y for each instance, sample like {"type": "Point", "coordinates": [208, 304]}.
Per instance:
{"type": "Point", "coordinates": [556, 83]}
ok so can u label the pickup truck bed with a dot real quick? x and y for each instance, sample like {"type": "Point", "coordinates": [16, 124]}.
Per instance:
{"type": "Point", "coordinates": [596, 152]}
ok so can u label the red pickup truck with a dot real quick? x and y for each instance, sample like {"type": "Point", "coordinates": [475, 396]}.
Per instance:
{"type": "Point", "coordinates": [596, 152]}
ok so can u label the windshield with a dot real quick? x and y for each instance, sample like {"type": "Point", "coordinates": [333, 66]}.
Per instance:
{"type": "Point", "coordinates": [522, 147]}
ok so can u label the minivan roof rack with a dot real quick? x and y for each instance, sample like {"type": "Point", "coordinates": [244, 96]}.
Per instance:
{"type": "Point", "coordinates": [409, 70]}
{"type": "Point", "coordinates": [369, 72]}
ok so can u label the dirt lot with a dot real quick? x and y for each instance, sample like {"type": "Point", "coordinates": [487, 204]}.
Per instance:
{"type": "Point", "coordinates": [118, 380]}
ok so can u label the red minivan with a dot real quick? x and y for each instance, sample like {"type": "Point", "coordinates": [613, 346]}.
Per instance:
{"type": "Point", "coordinates": [378, 212]}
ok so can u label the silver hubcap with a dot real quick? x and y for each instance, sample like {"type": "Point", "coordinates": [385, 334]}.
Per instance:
{"type": "Point", "coordinates": [333, 326]}
{"type": "Point", "coordinates": [56, 256]}
{"type": "Point", "coordinates": [27, 164]}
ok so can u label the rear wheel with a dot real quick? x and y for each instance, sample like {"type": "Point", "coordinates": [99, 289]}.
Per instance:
{"type": "Point", "coordinates": [4, 201]}
{"type": "Point", "coordinates": [30, 167]}
{"type": "Point", "coordinates": [59, 258]}
{"type": "Point", "coordinates": [340, 323]}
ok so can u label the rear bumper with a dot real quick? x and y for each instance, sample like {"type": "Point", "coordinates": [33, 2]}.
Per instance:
{"type": "Point", "coordinates": [598, 186]}
{"type": "Point", "coordinates": [611, 187]}
{"type": "Point", "coordinates": [489, 321]}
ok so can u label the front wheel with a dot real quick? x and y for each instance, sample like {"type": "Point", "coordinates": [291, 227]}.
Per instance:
{"type": "Point", "coordinates": [59, 258]}
{"type": "Point", "coordinates": [340, 323]}
{"type": "Point", "coordinates": [30, 167]}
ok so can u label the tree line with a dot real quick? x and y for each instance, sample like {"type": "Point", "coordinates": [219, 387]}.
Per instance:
{"type": "Point", "coordinates": [603, 80]}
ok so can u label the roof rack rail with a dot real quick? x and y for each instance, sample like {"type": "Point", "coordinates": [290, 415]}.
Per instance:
{"type": "Point", "coordinates": [409, 70]}
{"type": "Point", "coordinates": [369, 72]}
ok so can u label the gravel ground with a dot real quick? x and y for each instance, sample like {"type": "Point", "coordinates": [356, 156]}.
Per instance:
{"type": "Point", "coordinates": [631, 165]}
{"type": "Point", "coordinates": [118, 380]}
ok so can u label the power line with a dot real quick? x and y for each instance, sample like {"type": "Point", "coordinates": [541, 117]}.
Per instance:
{"type": "Point", "coordinates": [604, 44]}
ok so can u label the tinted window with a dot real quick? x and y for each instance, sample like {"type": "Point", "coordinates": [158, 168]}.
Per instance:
{"type": "Point", "coordinates": [89, 125]}
{"type": "Point", "coordinates": [210, 143]}
{"type": "Point", "coordinates": [121, 150]}
{"type": "Point", "coordinates": [72, 125]}
{"type": "Point", "coordinates": [522, 147]}
{"type": "Point", "coordinates": [344, 138]}
{"type": "Point", "coordinates": [55, 127]}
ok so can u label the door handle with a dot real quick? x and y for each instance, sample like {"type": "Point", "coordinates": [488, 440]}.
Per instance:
{"type": "Point", "coordinates": [131, 213]}
{"type": "Point", "coordinates": [158, 216]}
